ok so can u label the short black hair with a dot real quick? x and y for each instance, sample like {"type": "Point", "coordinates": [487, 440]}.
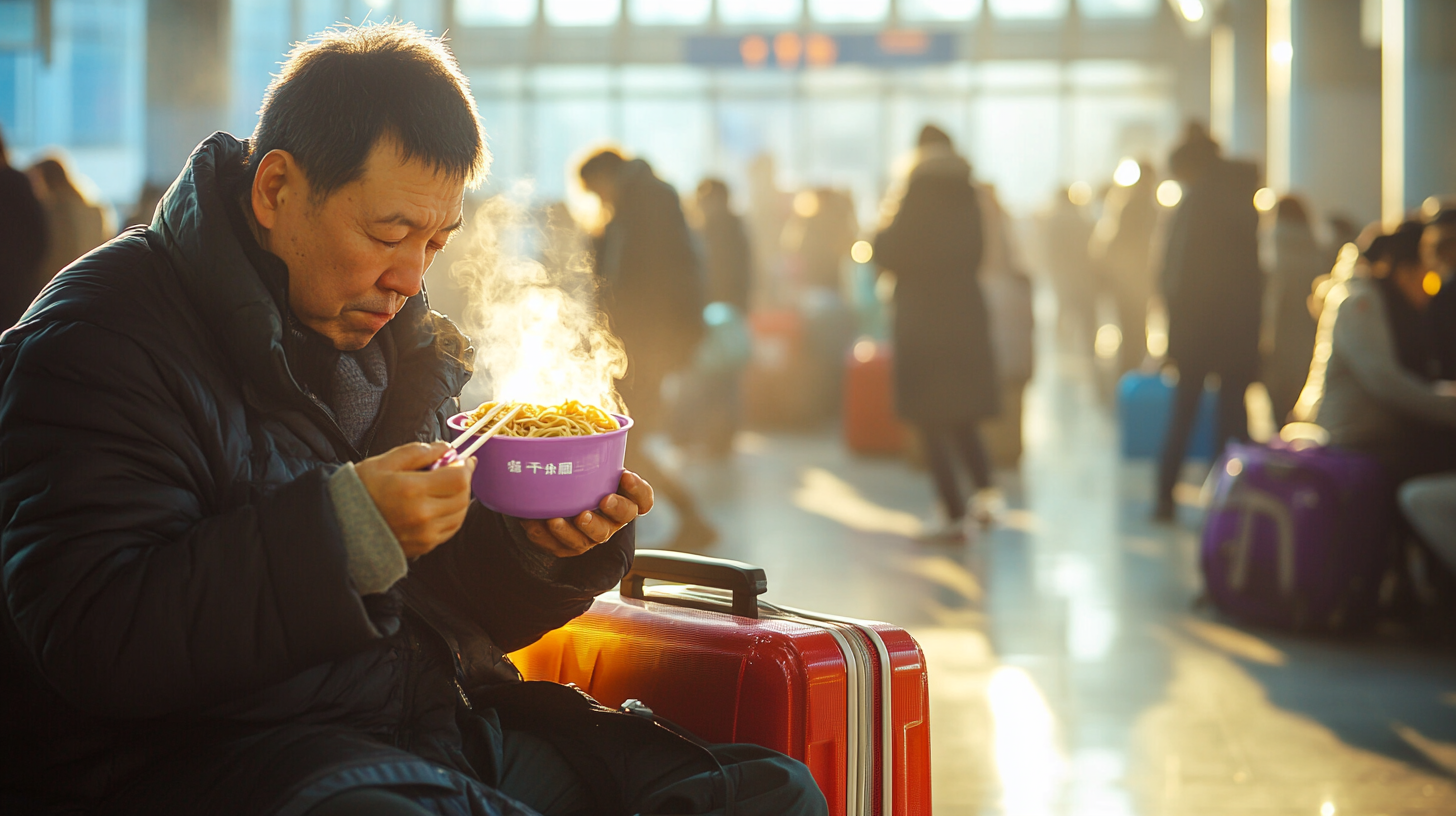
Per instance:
{"type": "Point", "coordinates": [602, 162]}
{"type": "Point", "coordinates": [344, 89]}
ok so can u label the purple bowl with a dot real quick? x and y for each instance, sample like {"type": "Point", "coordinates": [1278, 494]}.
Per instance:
{"type": "Point", "coordinates": [546, 478]}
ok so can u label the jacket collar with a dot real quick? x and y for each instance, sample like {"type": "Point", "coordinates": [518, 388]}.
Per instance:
{"type": "Point", "coordinates": [239, 290]}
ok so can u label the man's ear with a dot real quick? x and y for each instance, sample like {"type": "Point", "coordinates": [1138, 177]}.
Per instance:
{"type": "Point", "coordinates": [277, 181]}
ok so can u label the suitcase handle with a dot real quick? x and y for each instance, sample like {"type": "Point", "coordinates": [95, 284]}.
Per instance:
{"type": "Point", "coordinates": [745, 581]}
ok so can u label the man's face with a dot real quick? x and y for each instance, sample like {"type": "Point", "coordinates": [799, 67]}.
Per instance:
{"type": "Point", "coordinates": [356, 256]}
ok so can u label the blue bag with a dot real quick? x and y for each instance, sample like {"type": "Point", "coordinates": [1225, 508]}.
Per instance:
{"type": "Point", "coordinates": [1144, 410]}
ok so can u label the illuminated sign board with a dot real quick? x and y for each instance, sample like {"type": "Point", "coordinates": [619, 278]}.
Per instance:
{"type": "Point", "coordinates": [790, 50]}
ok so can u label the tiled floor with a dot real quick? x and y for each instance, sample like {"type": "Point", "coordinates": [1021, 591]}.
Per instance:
{"type": "Point", "coordinates": [1069, 670]}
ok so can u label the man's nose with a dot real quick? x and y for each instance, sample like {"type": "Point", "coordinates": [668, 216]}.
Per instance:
{"type": "Point", "coordinates": [406, 275]}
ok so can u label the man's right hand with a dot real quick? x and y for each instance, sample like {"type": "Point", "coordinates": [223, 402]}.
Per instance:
{"type": "Point", "coordinates": [423, 508]}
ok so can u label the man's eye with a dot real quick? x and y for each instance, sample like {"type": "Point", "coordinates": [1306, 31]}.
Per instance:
{"type": "Point", "coordinates": [390, 244]}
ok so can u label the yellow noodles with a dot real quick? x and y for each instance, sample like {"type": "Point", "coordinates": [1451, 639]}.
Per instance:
{"type": "Point", "coordinates": [536, 421]}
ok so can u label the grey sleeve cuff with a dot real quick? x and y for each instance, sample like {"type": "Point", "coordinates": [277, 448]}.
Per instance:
{"type": "Point", "coordinates": [376, 561]}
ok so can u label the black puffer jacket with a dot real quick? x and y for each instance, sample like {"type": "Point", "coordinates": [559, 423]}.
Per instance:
{"type": "Point", "coordinates": [1212, 282]}
{"type": "Point", "coordinates": [945, 370]}
{"type": "Point", "coordinates": [181, 634]}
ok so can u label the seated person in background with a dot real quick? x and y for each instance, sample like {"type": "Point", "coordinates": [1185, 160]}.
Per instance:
{"type": "Point", "coordinates": [1438, 253]}
{"type": "Point", "coordinates": [1429, 502]}
{"type": "Point", "coordinates": [229, 587]}
{"type": "Point", "coordinates": [1379, 390]}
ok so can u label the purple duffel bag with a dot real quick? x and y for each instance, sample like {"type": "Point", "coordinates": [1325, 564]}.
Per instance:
{"type": "Point", "coordinates": [1297, 539]}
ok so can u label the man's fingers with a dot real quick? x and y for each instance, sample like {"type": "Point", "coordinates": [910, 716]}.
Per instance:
{"type": "Point", "coordinates": [574, 541]}
{"type": "Point", "coordinates": [638, 490]}
{"type": "Point", "coordinates": [618, 509]}
{"type": "Point", "coordinates": [598, 527]}
{"type": "Point", "coordinates": [557, 537]}
{"type": "Point", "coordinates": [447, 482]}
{"type": "Point", "coordinates": [413, 456]}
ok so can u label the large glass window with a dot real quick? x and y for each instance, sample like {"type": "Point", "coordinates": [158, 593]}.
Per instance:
{"type": "Point", "coordinates": [933, 10]}
{"type": "Point", "coordinates": [760, 11]}
{"type": "Point", "coordinates": [582, 12]}
{"type": "Point", "coordinates": [495, 12]}
{"type": "Point", "coordinates": [1028, 9]}
{"type": "Point", "coordinates": [1118, 8]}
{"type": "Point", "coordinates": [260, 38]}
{"type": "Point", "coordinates": [670, 12]}
{"type": "Point", "coordinates": [849, 11]}
{"type": "Point", "coordinates": [87, 100]}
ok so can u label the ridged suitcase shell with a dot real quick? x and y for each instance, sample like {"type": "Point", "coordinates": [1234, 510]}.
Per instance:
{"type": "Point", "coordinates": [808, 685]}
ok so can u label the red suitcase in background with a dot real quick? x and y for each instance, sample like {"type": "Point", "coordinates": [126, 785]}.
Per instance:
{"type": "Point", "coordinates": [870, 422]}
{"type": "Point", "coordinates": [848, 698]}
{"type": "Point", "coordinates": [778, 382]}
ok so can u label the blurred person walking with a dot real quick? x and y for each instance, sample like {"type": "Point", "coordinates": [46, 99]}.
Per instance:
{"type": "Point", "coordinates": [1066, 233]}
{"type": "Point", "coordinates": [708, 408]}
{"type": "Point", "coordinates": [1295, 261]}
{"type": "Point", "coordinates": [945, 372]}
{"type": "Point", "coordinates": [728, 254]}
{"type": "Point", "coordinates": [1213, 289]}
{"type": "Point", "coordinates": [652, 290]}
{"type": "Point", "coordinates": [23, 234]}
{"type": "Point", "coordinates": [768, 210]}
{"type": "Point", "coordinates": [1121, 248]}
{"type": "Point", "coordinates": [1008, 294]}
{"type": "Point", "coordinates": [75, 225]}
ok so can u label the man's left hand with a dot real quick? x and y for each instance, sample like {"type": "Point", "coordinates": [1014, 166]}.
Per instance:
{"type": "Point", "coordinates": [564, 539]}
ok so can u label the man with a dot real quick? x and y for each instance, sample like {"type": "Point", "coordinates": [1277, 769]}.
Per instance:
{"type": "Point", "coordinates": [653, 292]}
{"type": "Point", "coordinates": [1214, 291]}
{"type": "Point", "coordinates": [726, 248]}
{"type": "Point", "coordinates": [230, 586]}
{"type": "Point", "coordinates": [23, 234]}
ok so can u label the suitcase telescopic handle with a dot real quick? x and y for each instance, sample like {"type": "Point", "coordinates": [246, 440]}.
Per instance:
{"type": "Point", "coordinates": [745, 581]}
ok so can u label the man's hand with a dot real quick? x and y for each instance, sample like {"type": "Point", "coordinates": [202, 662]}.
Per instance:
{"type": "Point", "coordinates": [565, 539]}
{"type": "Point", "coordinates": [424, 509]}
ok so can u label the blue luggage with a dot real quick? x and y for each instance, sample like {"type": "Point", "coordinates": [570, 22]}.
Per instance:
{"type": "Point", "coordinates": [1144, 410]}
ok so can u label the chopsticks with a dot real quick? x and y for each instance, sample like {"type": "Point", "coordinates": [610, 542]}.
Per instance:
{"type": "Point", "coordinates": [452, 455]}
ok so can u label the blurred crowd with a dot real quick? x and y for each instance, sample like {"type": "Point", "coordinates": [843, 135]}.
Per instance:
{"type": "Point", "coordinates": [777, 308]}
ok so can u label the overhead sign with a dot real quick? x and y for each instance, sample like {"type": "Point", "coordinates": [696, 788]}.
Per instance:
{"type": "Point", "coordinates": [789, 50]}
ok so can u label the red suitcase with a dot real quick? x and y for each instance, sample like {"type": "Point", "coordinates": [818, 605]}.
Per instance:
{"type": "Point", "coordinates": [778, 390]}
{"type": "Point", "coordinates": [870, 423]}
{"type": "Point", "coordinates": [848, 698]}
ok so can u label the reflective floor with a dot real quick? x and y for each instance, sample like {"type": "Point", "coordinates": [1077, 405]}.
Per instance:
{"type": "Point", "coordinates": [1069, 670]}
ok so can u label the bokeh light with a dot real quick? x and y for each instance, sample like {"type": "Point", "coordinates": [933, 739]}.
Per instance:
{"type": "Point", "coordinates": [1080, 193]}
{"type": "Point", "coordinates": [806, 204]}
{"type": "Point", "coordinates": [862, 251]}
{"type": "Point", "coordinates": [1109, 340]}
{"type": "Point", "coordinates": [1265, 199]}
{"type": "Point", "coordinates": [1192, 10]}
{"type": "Point", "coordinates": [1127, 174]}
{"type": "Point", "coordinates": [1170, 193]}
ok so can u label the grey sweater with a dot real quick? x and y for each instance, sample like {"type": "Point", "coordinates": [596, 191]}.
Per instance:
{"type": "Point", "coordinates": [1358, 390]}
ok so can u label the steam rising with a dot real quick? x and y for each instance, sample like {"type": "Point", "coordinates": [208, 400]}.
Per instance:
{"type": "Point", "coordinates": [538, 333]}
